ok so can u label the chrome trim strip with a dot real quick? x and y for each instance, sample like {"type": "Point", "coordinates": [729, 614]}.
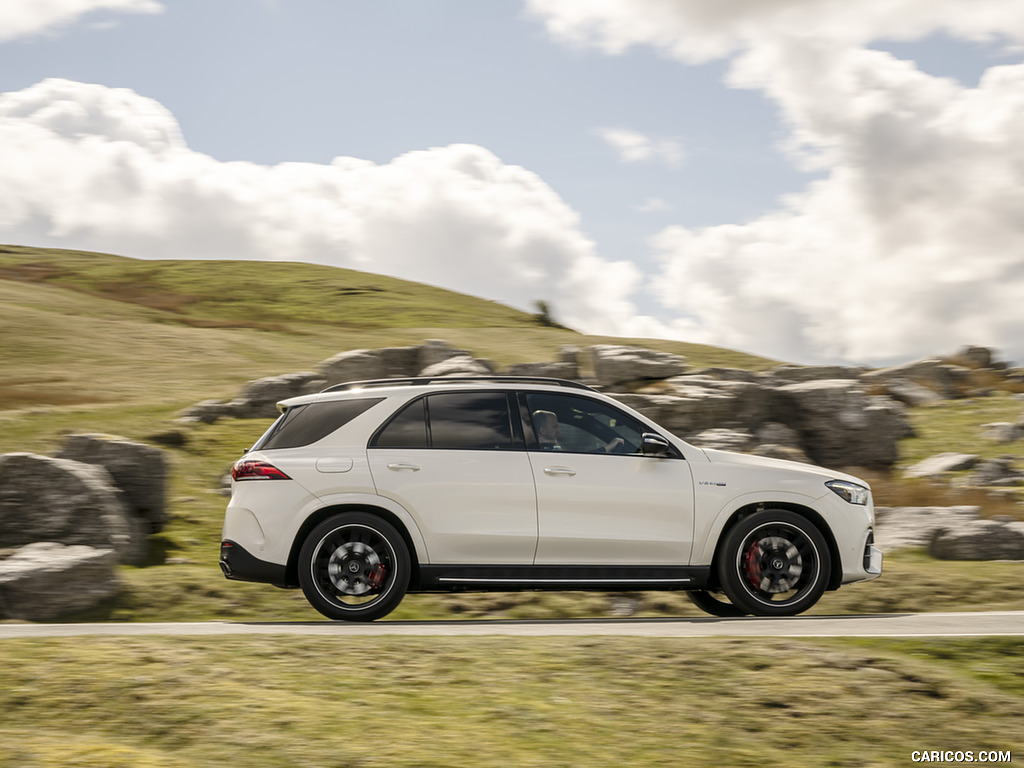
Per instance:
{"type": "Point", "coordinates": [564, 581]}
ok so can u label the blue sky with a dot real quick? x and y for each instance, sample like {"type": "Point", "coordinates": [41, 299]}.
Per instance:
{"type": "Point", "coordinates": [703, 176]}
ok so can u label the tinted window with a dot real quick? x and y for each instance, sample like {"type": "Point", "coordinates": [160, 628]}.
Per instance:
{"type": "Point", "coordinates": [305, 424]}
{"type": "Point", "coordinates": [408, 429]}
{"type": "Point", "coordinates": [582, 425]}
{"type": "Point", "coordinates": [470, 420]}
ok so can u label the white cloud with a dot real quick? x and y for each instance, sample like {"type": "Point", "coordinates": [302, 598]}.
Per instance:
{"type": "Point", "coordinates": [635, 147]}
{"type": "Point", "coordinates": [91, 167]}
{"type": "Point", "coordinates": [19, 18]}
{"type": "Point", "coordinates": [698, 30]}
{"type": "Point", "coordinates": [912, 241]}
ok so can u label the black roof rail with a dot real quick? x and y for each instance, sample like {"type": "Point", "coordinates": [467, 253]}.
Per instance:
{"type": "Point", "coordinates": [421, 380]}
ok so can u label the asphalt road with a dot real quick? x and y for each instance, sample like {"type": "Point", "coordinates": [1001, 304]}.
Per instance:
{"type": "Point", "coordinates": [880, 625]}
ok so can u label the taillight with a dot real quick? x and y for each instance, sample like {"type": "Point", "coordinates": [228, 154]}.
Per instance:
{"type": "Point", "coordinates": [247, 469]}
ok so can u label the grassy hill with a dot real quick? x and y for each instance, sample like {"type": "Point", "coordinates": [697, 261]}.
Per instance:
{"type": "Point", "coordinates": [92, 328]}
{"type": "Point", "coordinates": [102, 343]}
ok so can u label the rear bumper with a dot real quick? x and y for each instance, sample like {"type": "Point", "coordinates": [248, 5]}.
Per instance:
{"type": "Point", "coordinates": [239, 565]}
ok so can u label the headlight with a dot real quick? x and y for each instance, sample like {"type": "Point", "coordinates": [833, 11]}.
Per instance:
{"type": "Point", "coordinates": [850, 492]}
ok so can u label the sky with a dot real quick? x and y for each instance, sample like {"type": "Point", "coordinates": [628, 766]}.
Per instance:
{"type": "Point", "coordinates": [816, 181]}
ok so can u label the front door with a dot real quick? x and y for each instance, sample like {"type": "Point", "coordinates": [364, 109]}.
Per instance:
{"type": "Point", "coordinates": [599, 500]}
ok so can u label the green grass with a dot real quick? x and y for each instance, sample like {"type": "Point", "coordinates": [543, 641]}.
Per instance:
{"type": "Point", "coordinates": [283, 701]}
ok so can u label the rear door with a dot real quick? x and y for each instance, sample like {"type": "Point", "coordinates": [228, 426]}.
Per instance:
{"type": "Point", "coordinates": [457, 462]}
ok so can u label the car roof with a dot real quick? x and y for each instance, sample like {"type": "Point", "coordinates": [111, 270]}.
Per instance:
{"type": "Point", "coordinates": [422, 385]}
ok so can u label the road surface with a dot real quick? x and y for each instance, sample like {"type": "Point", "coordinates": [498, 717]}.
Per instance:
{"type": "Point", "coordinates": [879, 625]}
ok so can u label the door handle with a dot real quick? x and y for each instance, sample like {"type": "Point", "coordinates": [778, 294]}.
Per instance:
{"type": "Point", "coordinates": [559, 471]}
{"type": "Point", "coordinates": [400, 467]}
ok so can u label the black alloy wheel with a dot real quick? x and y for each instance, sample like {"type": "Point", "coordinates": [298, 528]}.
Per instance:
{"type": "Point", "coordinates": [774, 563]}
{"type": "Point", "coordinates": [354, 567]}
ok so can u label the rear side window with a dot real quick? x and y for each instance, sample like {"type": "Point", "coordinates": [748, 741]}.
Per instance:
{"type": "Point", "coordinates": [305, 424]}
{"type": "Point", "coordinates": [473, 421]}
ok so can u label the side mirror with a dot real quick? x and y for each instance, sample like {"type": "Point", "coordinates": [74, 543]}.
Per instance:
{"type": "Point", "coordinates": [654, 445]}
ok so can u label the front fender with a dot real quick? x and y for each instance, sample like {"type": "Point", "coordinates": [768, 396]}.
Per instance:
{"type": "Point", "coordinates": [708, 529]}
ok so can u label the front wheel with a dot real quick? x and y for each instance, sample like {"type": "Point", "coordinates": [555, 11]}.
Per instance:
{"type": "Point", "coordinates": [709, 602]}
{"type": "Point", "coordinates": [354, 567]}
{"type": "Point", "coordinates": [774, 563]}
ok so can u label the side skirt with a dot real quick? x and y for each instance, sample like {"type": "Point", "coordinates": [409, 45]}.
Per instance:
{"type": "Point", "coordinates": [514, 578]}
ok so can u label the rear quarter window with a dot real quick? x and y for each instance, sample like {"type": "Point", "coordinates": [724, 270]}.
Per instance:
{"type": "Point", "coordinates": [306, 424]}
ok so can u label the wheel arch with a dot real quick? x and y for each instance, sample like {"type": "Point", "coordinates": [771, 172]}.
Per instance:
{"type": "Point", "coordinates": [835, 577]}
{"type": "Point", "coordinates": [317, 517]}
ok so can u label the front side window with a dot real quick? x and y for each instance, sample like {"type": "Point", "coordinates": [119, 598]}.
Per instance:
{"type": "Point", "coordinates": [581, 425]}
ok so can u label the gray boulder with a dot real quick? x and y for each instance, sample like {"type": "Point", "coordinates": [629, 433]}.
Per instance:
{"type": "Point", "coordinates": [796, 374]}
{"type": "Point", "coordinates": [914, 395]}
{"type": "Point", "coordinates": [463, 365]}
{"type": "Point", "coordinates": [840, 425]}
{"type": "Point", "coordinates": [941, 463]}
{"type": "Point", "coordinates": [723, 440]}
{"type": "Point", "coordinates": [550, 370]}
{"type": "Point", "coordinates": [913, 527]}
{"type": "Point", "coordinates": [434, 351]}
{"type": "Point", "coordinates": [363, 364]}
{"type": "Point", "coordinates": [996, 472]}
{"type": "Point", "coordinates": [47, 499]}
{"type": "Point", "coordinates": [46, 580]}
{"type": "Point", "coordinates": [979, 540]}
{"type": "Point", "coordinates": [259, 398]}
{"type": "Point", "coordinates": [138, 470]}
{"type": "Point", "coordinates": [949, 381]}
{"type": "Point", "coordinates": [616, 365]}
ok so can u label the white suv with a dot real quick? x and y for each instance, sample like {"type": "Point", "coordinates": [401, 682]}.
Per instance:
{"type": "Point", "coordinates": [369, 490]}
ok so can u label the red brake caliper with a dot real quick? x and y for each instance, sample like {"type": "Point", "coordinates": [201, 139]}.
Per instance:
{"type": "Point", "coordinates": [752, 565]}
{"type": "Point", "coordinates": [376, 577]}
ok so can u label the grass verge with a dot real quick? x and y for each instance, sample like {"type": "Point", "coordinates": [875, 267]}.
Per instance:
{"type": "Point", "coordinates": [550, 702]}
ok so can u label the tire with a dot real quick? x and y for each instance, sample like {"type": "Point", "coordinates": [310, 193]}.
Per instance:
{"type": "Point", "coordinates": [354, 567]}
{"type": "Point", "coordinates": [710, 603]}
{"type": "Point", "coordinates": [774, 563]}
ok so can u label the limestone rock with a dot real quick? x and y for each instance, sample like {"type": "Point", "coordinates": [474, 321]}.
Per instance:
{"type": "Point", "coordinates": [615, 365]}
{"type": "Point", "coordinates": [45, 580]}
{"type": "Point", "coordinates": [138, 470]}
{"type": "Point", "coordinates": [840, 425]}
{"type": "Point", "coordinates": [979, 540]}
{"type": "Point", "coordinates": [550, 370]}
{"type": "Point", "coordinates": [911, 527]}
{"type": "Point", "coordinates": [941, 463]}
{"type": "Point", "coordinates": [47, 499]}
{"type": "Point", "coordinates": [463, 365]}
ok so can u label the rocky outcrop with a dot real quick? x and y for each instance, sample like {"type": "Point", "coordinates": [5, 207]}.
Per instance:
{"type": "Point", "coordinates": [913, 527]}
{"type": "Point", "coordinates": [137, 469]}
{"type": "Point", "coordinates": [59, 500]}
{"type": "Point", "coordinates": [840, 425]}
{"type": "Point", "coordinates": [996, 472]}
{"type": "Point", "coordinates": [45, 580]}
{"type": "Point", "coordinates": [461, 365]}
{"type": "Point", "coordinates": [941, 463]}
{"type": "Point", "coordinates": [617, 365]}
{"type": "Point", "coordinates": [1001, 539]}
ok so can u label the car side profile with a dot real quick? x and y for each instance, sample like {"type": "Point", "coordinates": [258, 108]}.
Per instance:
{"type": "Point", "coordinates": [371, 490]}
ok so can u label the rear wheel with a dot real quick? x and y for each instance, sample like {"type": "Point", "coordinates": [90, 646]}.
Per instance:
{"type": "Point", "coordinates": [774, 563]}
{"type": "Point", "coordinates": [354, 567]}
